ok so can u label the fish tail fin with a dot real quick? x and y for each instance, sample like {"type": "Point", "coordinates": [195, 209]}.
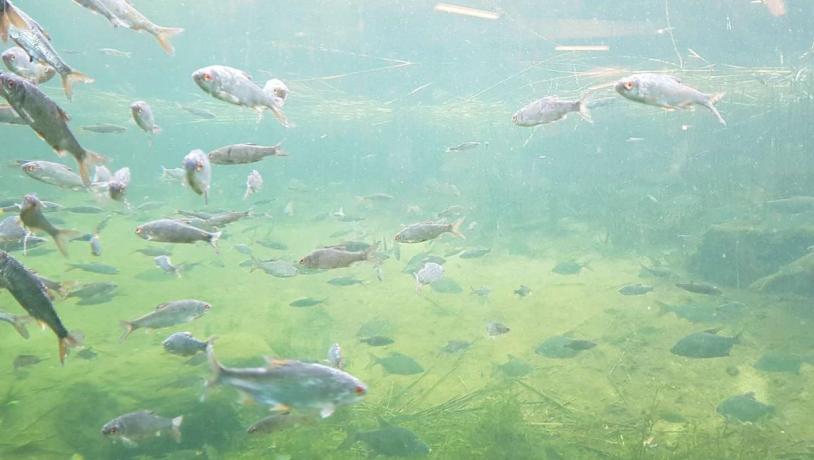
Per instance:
{"type": "Point", "coordinates": [214, 239]}
{"type": "Point", "coordinates": [255, 263]}
{"type": "Point", "coordinates": [72, 77]}
{"type": "Point", "coordinates": [90, 159]}
{"type": "Point", "coordinates": [128, 328]}
{"type": "Point", "coordinates": [217, 367]}
{"type": "Point", "coordinates": [370, 253]}
{"type": "Point", "coordinates": [455, 228]}
{"type": "Point", "coordinates": [710, 104]}
{"type": "Point", "coordinates": [61, 238]}
{"type": "Point", "coordinates": [582, 108]}
{"type": "Point", "coordinates": [72, 340]}
{"type": "Point", "coordinates": [163, 35]}
{"type": "Point", "coordinates": [279, 115]}
{"type": "Point", "coordinates": [19, 323]}
{"type": "Point", "coordinates": [176, 428]}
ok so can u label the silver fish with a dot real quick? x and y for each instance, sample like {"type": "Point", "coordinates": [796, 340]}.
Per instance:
{"type": "Point", "coordinates": [172, 231]}
{"type": "Point", "coordinates": [335, 357]}
{"type": "Point", "coordinates": [163, 262]}
{"type": "Point", "coordinates": [144, 118]}
{"type": "Point", "coordinates": [254, 182]}
{"type": "Point", "coordinates": [198, 173]}
{"type": "Point", "coordinates": [95, 245]}
{"type": "Point", "coordinates": [666, 91]}
{"type": "Point", "coordinates": [117, 185]}
{"type": "Point", "coordinates": [17, 60]}
{"type": "Point", "coordinates": [166, 315]}
{"type": "Point", "coordinates": [200, 113]}
{"type": "Point", "coordinates": [327, 258]}
{"type": "Point", "coordinates": [121, 13]}
{"type": "Point", "coordinates": [425, 231]}
{"type": "Point", "coordinates": [428, 274]}
{"type": "Point", "coordinates": [184, 344]}
{"type": "Point", "coordinates": [47, 119]}
{"type": "Point", "coordinates": [140, 426]}
{"type": "Point", "coordinates": [466, 146]}
{"type": "Point", "coordinates": [53, 174]}
{"type": "Point", "coordinates": [104, 128]}
{"type": "Point", "coordinates": [237, 87]}
{"type": "Point", "coordinates": [550, 109]}
{"type": "Point", "coordinates": [115, 53]}
{"type": "Point", "coordinates": [237, 154]}
{"type": "Point", "coordinates": [291, 384]}
{"type": "Point", "coordinates": [31, 216]}
{"type": "Point", "coordinates": [173, 175]}
{"type": "Point", "coordinates": [37, 44]}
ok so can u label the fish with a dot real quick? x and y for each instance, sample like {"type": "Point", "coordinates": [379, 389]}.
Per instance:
{"type": "Point", "coordinates": [474, 253]}
{"type": "Point", "coordinates": [692, 312]}
{"type": "Point", "coordinates": [31, 294]}
{"type": "Point", "coordinates": [164, 263]}
{"type": "Point", "coordinates": [115, 53]}
{"type": "Point", "coordinates": [37, 44]}
{"type": "Point", "coordinates": [95, 245]}
{"type": "Point", "coordinates": [335, 357]}
{"type": "Point", "coordinates": [84, 291]}
{"type": "Point", "coordinates": [122, 13]}
{"type": "Point", "coordinates": [446, 286]}
{"type": "Point", "coordinates": [31, 216]}
{"type": "Point", "coordinates": [515, 367]}
{"type": "Point", "coordinates": [154, 252]}
{"type": "Point", "coordinates": [329, 258]}
{"type": "Point", "coordinates": [22, 361]}
{"type": "Point", "coordinates": [744, 408]}
{"type": "Point", "coordinates": [254, 182]}
{"type": "Point", "coordinates": [104, 128]}
{"type": "Point", "coordinates": [550, 109]}
{"type": "Point", "coordinates": [377, 197]}
{"type": "Point", "coordinates": [291, 384]}
{"type": "Point", "coordinates": [561, 347]}
{"type": "Point", "coordinates": [389, 441]}
{"type": "Point", "coordinates": [18, 322]}
{"type": "Point", "coordinates": [494, 329]}
{"type": "Point", "coordinates": [345, 281]}
{"type": "Point", "coordinates": [18, 61]}
{"type": "Point", "coordinates": [9, 116]}
{"type": "Point", "coordinates": [142, 426]}
{"type": "Point", "coordinates": [417, 261]}
{"type": "Point", "coordinates": [198, 173]}
{"type": "Point", "coordinates": [48, 120]}
{"type": "Point", "coordinates": [779, 361]}
{"type": "Point", "coordinates": [102, 269]}
{"type": "Point", "coordinates": [666, 91]}
{"type": "Point", "coordinates": [225, 218]}
{"type": "Point", "coordinates": [377, 340]}
{"type": "Point", "coordinates": [173, 175]}
{"type": "Point", "coordinates": [167, 314]}
{"type": "Point", "coordinates": [184, 344]}
{"type": "Point", "coordinates": [241, 154]}
{"type": "Point", "coordinates": [143, 116]}
{"type": "Point", "coordinates": [522, 291]}
{"type": "Point", "coordinates": [237, 87]}
{"type": "Point", "coordinates": [428, 274]}
{"type": "Point", "coordinates": [425, 231]}
{"type": "Point", "coordinates": [275, 267]}
{"type": "Point", "coordinates": [792, 205]}
{"type": "Point", "coordinates": [705, 344]}
{"type": "Point", "coordinates": [466, 146]}
{"type": "Point", "coordinates": [200, 113]}
{"type": "Point", "coordinates": [172, 231]}
{"type": "Point", "coordinates": [306, 302]}
{"type": "Point", "coordinates": [10, 16]}
{"type": "Point", "coordinates": [482, 291]}
{"type": "Point", "coordinates": [700, 288]}
{"type": "Point", "coordinates": [456, 346]}
{"type": "Point", "coordinates": [398, 364]}
{"type": "Point", "coordinates": [656, 270]}
{"type": "Point", "coordinates": [117, 185]}
{"type": "Point", "coordinates": [274, 423]}
{"type": "Point", "coordinates": [271, 244]}
{"type": "Point", "coordinates": [635, 289]}
{"type": "Point", "coordinates": [55, 174]}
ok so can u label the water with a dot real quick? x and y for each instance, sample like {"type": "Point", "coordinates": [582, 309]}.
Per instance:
{"type": "Point", "coordinates": [379, 91]}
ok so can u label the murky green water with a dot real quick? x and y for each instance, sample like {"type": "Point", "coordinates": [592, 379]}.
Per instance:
{"type": "Point", "coordinates": [379, 91]}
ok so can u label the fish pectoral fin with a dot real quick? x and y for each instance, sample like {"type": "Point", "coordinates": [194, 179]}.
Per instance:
{"type": "Point", "coordinates": [128, 442]}
{"type": "Point", "coordinates": [280, 409]}
{"type": "Point", "coordinates": [327, 410]}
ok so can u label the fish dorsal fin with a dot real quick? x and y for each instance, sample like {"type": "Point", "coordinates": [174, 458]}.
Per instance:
{"type": "Point", "coordinates": [160, 306]}
{"type": "Point", "coordinates": [272, 362]}
{"type": "Point", "coordinates": [714, 330]}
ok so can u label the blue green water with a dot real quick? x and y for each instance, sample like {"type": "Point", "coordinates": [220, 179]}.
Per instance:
{"type": "Point", "coordinates": [379, 91]}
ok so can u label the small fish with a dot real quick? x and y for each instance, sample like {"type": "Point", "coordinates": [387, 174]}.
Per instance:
{"type": "Point", "coordinates": [198, 173]}
{"type": "Point", "coordinates": [389, 441]}
{"type": "Point", "coordinates": [456, 346]}
{"type": "Point", "coordinates": [52, 173]}
{"type": "Point", "coordinates": [562, 347]}
{"type": "Point", "coordinates": [184, 344]}
{"type": "Point", "coordinates": [122, 13]}
{"type": "Point", "coordinates": [17, 60]}
{"type": "Point", "coordinates": [102, 269]}
{"type": "Point", "coordinates": [154, 252]}
{"type": "Point", "coordinates": [494, 329]}
{"type": "Point", "coordinates": [271, 244]}
{"type": "Point", "coordinates": [173, 175]}
{"type": "Point", "coordinates": [166, 315]}
{"type": "Point", "coordinates": [378, 197]}
{"type": "Point", "coordinates": [377, 341]}
{"type": "Point", "coordinates": [142, 426]}
{"type": "Point", "coordinates": [398, 364]}
{"type": "Point", "coordinates": [569, 267]}
{"type": "Point", "coordinates": [31, 216]}
{"type": "Point", "coordinates": [172, 231]}
{"type": "Point", "coordinates": [482, 292]}
{"type": "Point", "coordinates": [744, 408]}
{"type": "Point", "coordinates": [522, 291]}
{"type": "Point", "coordinates": [428, 274]}
{"type": "Point", "coordinates": [144, 117]}
{"type": "Point", "coordinates": [275, 267]}
{"type": "Point", "coordinates": [164, 263]}
{"type": "Point", "coordinates": [291, 384]}
{"type": "Point", "coordinates": [345, 281]}
{"type": "Point", "coordinates": [700, 288]}
{"type": "Point", "coordinates": [329, 258]}
{"type": "Point", "coordinates": [238, 154]}
{"type": "Point", "coordinates": [254, 182]}
{"type": "Point", "coordinates": [117, 185]}
{"type": "Point", "coordinates": [200, 113]}
{"type": "Point", "coordinates": [274, 423]}
{"type": "Point", "coordinates": [792, 205]}
{"type": "Point", "coordinates": [515, 367]}
{"type": "Point", "coordinates": [474, 253]}
{"type": "Point", "coordinates": [466, 146]}
{"type": "Point", "coordinates": [237, 87]}
{"type": "Point", "coordinates": [22, 361]}
{"type": "Point", "coordinates": [705, 344]}
{"type": "Point", "coordinates": [84, 291]}
{"type": "Point", "coordinates": [18, 322]}
{"type": "Point", "coordinates": [657, 270]}
{"type": "Point", "coordinates": [635, 289]}
{"type": "Point", "coordinates": [114, 52]}
{"type": "Point", "coordinates": [95, 245]}
{"type": "Point", "coordinates": [335, 357]}
{"type": "Point", "coordinates": [306, 302]}
{"type": "Point", "coordinates": [666, 91]}
{"type": "Point", "coordinates": [104, 128]}
{"type": "Point", "coordinates": [550, 109]}
{"type": "Point", "coordinates": [425, 231]}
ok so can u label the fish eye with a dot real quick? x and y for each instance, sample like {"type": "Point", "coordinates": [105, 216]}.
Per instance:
{"type": "Point", "coordinates": [628, 85]}
{"type": "Point", "coordinates": [360, 390]}
{"type": "Point", "coordinates": [11, 84]}
{"type": "Point", "coordinates": [12, 57]}
{"type": "Point", "coordinates": [206, 76]}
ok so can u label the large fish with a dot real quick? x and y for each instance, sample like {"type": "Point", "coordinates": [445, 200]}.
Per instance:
{"type": "Point", "coordinates": [290, 384]}
{"type": "Point", "coordinates": [37, 43]}
{"type": "Point", "coordinates": [47, 119]}
{"type": "Point", "coordinates": [31, 294]}
{"type": "Point", "coordinates": [122, 13]}
{"type": "Point", "coordinates": [237, 87]}
{"type": "Point", "coordinates": [666, 91]}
